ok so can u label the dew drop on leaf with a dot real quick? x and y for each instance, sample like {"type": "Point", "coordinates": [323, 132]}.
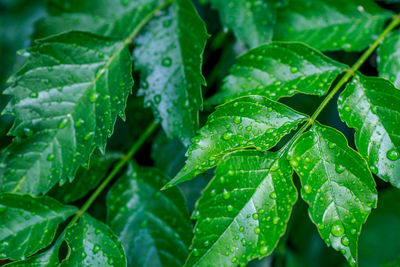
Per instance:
{"type": "Point", "coordinates": [337, 229]}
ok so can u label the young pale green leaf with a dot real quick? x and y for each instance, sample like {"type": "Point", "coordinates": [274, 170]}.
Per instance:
{"type": "Point", "coordinates": [372, 106]}
{"type": "Point", "coordinates": [28, 224]}
{"type": "Point", "coordinates": [331, 24]}
{"type": "Point", "coordinates": [389, 58]}
{"type": "Point", "coordinates": [92, 243]}
{"type": "Point", "coordinates": [169, 57]}
{"type": "Point", "coordinates": [279, 69]}
{"type": "Point", "coordinates": [336, 184]}
{"type": "Point", "coordinates": [244, 210]}
{"type": "Point", "coordinates": [66, 99]}
{"type": "Point", "coordinates": [250, 121]}
{"type": "Point", "coordinates": [48, 258]}
{"type": "Point", "coordinates": [153, 226]}
{"type": "Point", "coordinates": [112, 18]}
{"type": "Point", "coordinates": [86, 179]}
{"type": "Point", "coordinates": [251, 21]}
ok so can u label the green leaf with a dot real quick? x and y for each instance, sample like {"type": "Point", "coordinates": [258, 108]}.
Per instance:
{"type": "Point", "coordinates": [389, 58]}
{"type": "Point", "coordinates": [113, 18]}
{"type": "Point", "coordinates": [92, 243]}
{"type": "Point", "coordinates": [247, 122]}
{"type": "Point", "coordinates": [169, 57]}
{"type": "Point", "coordinates": [153, 226]}
{"type": "Point", "coordinates": [86, 179]}
{"type": "Point", "coordinates": [48, 258]}
{"type": "Point", "coordinates": [251, 21]}
{"type": "Point", "coordinates": [64, 108]}
{"type": "Point", "coordinates": [331, 25]}
{"type": "Point", "coordinates": [336, 184]}
{"type": "Point", "coordinates": [244, 210]}
{"type": "Point", "coordinates": [279, 69]}
{"type": "Point", "coordinates": [28, 224]}
{"type": "Point", "coordinates": [383, 224]}
{"type": "Point", "coordinates": [372, 106]}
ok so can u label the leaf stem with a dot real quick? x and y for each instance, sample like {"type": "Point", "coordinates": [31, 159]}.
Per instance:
{"type": "Point", "coordinates": [124, 160]}
{"type": "Point", "coordinates": [346, 77]}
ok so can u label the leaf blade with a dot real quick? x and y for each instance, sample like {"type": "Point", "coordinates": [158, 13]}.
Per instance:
{"type": "Point", "coordinates": [337, 186]}
{"type": "Point", "coordinates": [153, 226]}
{"type": "Point", "coordinates": [245, 207]}
{"type": "Point", "coordinates": [22, 221]}
{"type": "Point", "coordinates": [365, 105]}
{"type": "Point", "coordinates": [252, 121]}
{"type": "Point", "coordinates": [345, 25]}
{"type": "Point", "coordinates": [63, 108]}
{"type": "Point", "coordinates": [277, 70]}
{"type": "Point", "coordinates": [389, 58]}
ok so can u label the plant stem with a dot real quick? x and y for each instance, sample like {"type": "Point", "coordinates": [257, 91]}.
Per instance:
{"type": "Point", "coordinates": [124, 159]}
{"type": "Point", "coordinates": [349, 73]}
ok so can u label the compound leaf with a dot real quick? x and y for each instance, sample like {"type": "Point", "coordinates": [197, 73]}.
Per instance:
{"type": "Point", "coordinates": [64, 108]}
{"type": "Point", "coordinates": [389, 58]}
{"type": "Point", "coordinates": [243, 212]}
{"type": "Point", "coordinates": [279, 69]}
{"type": "Point", "coordinates": [246, 122]}
{"type": "Point", "coordinates": [251, 21]}
{"type": "Point", "coordinates": [331, 24]}
{"type": "Point", "coordinates": [169, 57]}
{"type": "Point", "coordinates": [336, 184]}
{"type": "Point", "coordinates": [28, 224]}
{"type": "Point", "coordinates": [92, 243]}
{"type": "Point", "coordinates": [153, 226]}
{"type": "Point", "coordinates": [372, 106]}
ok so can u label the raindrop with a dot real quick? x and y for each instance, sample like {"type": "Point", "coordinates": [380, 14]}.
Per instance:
{"type": "Point", "coordinates": [166, 62]}
{"type": "Point", "coordinates": [393, 154]}
{"type": "Point", "coordinates": [337, 229]}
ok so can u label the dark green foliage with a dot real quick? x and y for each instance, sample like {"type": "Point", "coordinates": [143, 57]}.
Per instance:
{"type": "Point", "coordinates": [72, 189]}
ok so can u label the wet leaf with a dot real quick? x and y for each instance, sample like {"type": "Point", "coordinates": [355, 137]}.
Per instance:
{"type": "Point", "coordinates": [63, 108]}
{"type": "Point", "coordinates": [277, 70]}
{"type": "Point", "coordinates": [243, 212]}
{"type": "Point", "coordinates": [389, 58]}
{"type": "Point", "coordinates": [153, 226]}
{"type": "Point", "coordinates": [371, 105]}
{"type": "Point", "coordinates": [92, 243]}
{"type": "Point", "coordinates": [247, 122]}
{"type": "Point", "coordinates": [28, 224]}
{"type": "Point", "coordinates": [330, 25]}
{"type": "Point", "coordinates": [169, 56]}
{"type": "Point", "coordinates": [337, 186]}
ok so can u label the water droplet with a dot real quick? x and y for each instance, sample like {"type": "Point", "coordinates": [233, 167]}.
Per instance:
{"type": "Point", "coordinates": [293, 69]}
{"type": "Point", "coordinates": [337, 229]}
{"type": "Point", "coordinates": [226, 194]}
{"type": "Point", "coordinates": [272, 195]}
{"type": "Point", "coordinates": [93, 97]}
{"type": "Point", "coordinates": [307, 189]}
{"type": "Point", "coordinates": [230, 207]}
{"type": "Point", "coordinates": [96, 249]}
{"type": "Point", "coordinates": [166, 62]}
{"type": "Point", "coordinates": [257, 230]}
{"type": "Point", "coordinates": [340, 168]}
{"type": "Point", "coordinates": [373, 169]}
{"type": "Point", "coordinates": [264, 250]}
{"type": "Point", "coordinates": [227, 135]}
{"type": "Point", "coordinates": [196, 253]}
{"type": "Point", "coordinates": [294, 163]}
{"type": "Point", "coordinates": [88, 136]}
{"type": "Point", "coordinates": [63, 123]}
{"type": "Point", "coordinates": [50, 157]}
{"type": "Point", "coordinates": [28, 132]}
{"type": "Point", "coordinates": [34, 95]}
{"type": "Point", "coordinates": [157, 99]}
{"type": "Point", "coordinates": [237, 120]}
{"type": "Point", "coordinates": [345, 241]}
{"type": "Point", "coordinates": [79, 123]}
{"type": "Point", "coordinates": [393, 154]}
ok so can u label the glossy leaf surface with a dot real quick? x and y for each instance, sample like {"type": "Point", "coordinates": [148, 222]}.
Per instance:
{"type": "Point", "coordinates": [86, 179]}
{"type": "Point", "coordinates": [28, 224]}
{"type": "Point", "coordinates": [169, 56]}
{"type": "Point", "coordinates": [372, 106]}
{"type": "Point", "coordinates": [113, 18]}
{"type": "Point", "coordinates": [92, 243]}
{"type": "Point", "coordinates": [279, 69]}
{"type": "Point", "coordinates": [153, 226]}
{"type": "Point", "coordinates": [64, 108]}
{"type": "Point", "coordinates": [336, 184]}
{"type": "Point", "coordinates": [251, 21]}
{"type": "Point", "coordinates": [251, 121]}
{"type": "Point", "coordinates": [243, 212]}
{"type": "Point", "coordinates": [330, 25]}
{"type": "Point", "coordinates": [389, 58]}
